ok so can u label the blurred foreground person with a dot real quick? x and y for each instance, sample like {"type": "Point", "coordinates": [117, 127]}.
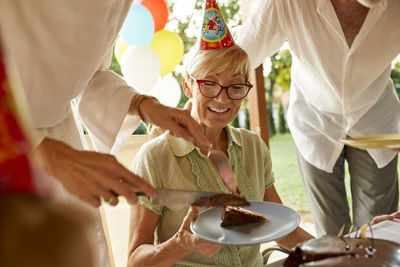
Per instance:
{"type": "Point", "coordinates": [38, 232]}
{"type": "Point", "coordinates": [35, 231]}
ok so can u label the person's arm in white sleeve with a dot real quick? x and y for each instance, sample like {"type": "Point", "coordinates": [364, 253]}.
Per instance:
{"type": "Point", "coordinates": [111, 110]}
{"type": "Point", "coordinates": [263, 31]}
{"type": "Point", "coordinates": [104, 105]}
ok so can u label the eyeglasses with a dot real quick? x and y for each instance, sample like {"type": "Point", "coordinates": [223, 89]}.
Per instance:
{"type": "Point", "coordinates": [213, 89]}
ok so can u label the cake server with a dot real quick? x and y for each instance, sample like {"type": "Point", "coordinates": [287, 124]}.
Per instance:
{"type": "Point", "coordinates": [173, 197]}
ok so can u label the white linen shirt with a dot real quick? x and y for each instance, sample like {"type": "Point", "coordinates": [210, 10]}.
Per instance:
{"type": "Point", "coordinates": [336, 90]}
{"type": "Point", "coordinates": [61, 50]}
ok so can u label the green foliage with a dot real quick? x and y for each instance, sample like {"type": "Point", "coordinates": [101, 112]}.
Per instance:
{"type": "Point", "coordinates": [279, 77]}
{"type": "Point", "coordinates": [235, 122]}
{"type": "Point", "coordinates": [395, 75]}
{"type": "Point", "coordinates": [278, 80]}
{"type": "Point", "coordinates": [288, 182]}
{"type": "Point", "coordinates": [281, 118]}
{"type": "Point", "coordinates": [143, 128]}
{"type": "Point", "coordinates": [247, 122]}
{"type": "Point", "coordinates": [282, 63]}
{"type": "Point", "coordinates": [271, 121]}
{"type": "Point", "coordinates": [230, 11]}
{"type": "Point", "coordinates": [114, 66]}
{"type": "Point", "coordinates": [183, 25]}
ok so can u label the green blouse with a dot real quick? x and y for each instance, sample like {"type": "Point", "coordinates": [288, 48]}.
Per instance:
{"type": "Point", "coordinates": [170, 162]}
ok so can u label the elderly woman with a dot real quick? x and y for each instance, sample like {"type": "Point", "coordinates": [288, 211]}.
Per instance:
{"type": "Point", "coordinates": [216, 81]}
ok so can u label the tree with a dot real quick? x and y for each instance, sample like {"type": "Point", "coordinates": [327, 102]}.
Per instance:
{"type": "Point", "coordinates": [271, 121]}
{"type": "Point", "coordinates": [395, 75]}
{"type": "Point", "coordinates": [281, 118]}
{"type": "Point", "coordinates": [278, 80]}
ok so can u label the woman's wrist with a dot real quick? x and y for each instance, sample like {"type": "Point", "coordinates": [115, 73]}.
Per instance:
{"type": "Point", "coordinates": [144, 104]}
{"type": "Point", "coordinates": [164, 254]}
{"type": "Point", "coordinates": [178, 244]}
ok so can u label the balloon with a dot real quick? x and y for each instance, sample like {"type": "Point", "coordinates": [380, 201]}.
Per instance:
{"type": "Point", "coordinates": [119, 49]}
{"type": "Point", "coordinates": [169, 48]}
{"type": "Point", "coordinates": [141, 67]}
{"type": "Point", "coordinates": [138, 27]}
{"type": "Point", "coordinates": [159, 11]}
{"type": "Point", "coordinates": [167, 91]}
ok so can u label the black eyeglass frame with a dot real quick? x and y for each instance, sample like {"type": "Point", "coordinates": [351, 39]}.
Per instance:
{"type": "Point", "coordinates": [199, 82]}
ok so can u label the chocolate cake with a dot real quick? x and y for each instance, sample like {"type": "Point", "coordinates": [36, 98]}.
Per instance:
{"type": "Point", "coordinates": [236, 216]}
{"type": "Point", "coordinates": [344, 251]}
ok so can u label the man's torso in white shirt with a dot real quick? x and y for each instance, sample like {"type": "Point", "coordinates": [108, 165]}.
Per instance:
{"type": "Point", "coordinates": [336, 90]}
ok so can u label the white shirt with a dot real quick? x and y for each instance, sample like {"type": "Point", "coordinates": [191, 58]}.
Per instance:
{"type": "Point", "coordinates": [61, 50]}
{"type": "Point", "coordinates": [336, 91]}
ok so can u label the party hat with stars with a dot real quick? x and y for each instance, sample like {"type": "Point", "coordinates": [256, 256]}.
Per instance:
{"type": "Point", "coordinates": [214, 31]}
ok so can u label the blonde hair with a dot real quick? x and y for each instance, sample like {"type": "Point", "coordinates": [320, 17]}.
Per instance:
{"type": "Point", "coordinates": [202, 62]}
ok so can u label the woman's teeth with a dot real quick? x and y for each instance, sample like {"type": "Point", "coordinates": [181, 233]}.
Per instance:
{"type": "Point", "coordinates": [219, 110]}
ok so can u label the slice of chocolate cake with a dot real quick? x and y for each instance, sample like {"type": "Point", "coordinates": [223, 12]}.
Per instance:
{"type": "Point", "coordinates": [236, 216]}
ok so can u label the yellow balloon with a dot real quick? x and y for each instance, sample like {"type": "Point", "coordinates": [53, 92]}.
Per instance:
{"type": "Point", "coordinates": [169, 48]}
{"type": "Point", "coordinates": [119, 49]}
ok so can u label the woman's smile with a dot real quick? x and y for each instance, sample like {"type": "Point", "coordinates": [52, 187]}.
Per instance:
{"type": "Point", "coordinates": [218, 110]}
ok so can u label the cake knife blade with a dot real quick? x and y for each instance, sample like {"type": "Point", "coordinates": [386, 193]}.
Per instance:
{"type": "Point", "coordinates": [174, 197]}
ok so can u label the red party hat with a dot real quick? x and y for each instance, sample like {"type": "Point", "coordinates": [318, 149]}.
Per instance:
{"type": "Point", "coordinates": [214, 31]}
{"type": "Point", "coordinates": [16, 175]}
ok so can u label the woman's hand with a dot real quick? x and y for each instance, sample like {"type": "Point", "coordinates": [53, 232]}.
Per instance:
{"type": "Point", "coordinates": [382, 218]}
{"type": "Point", "coordinates": [143, 252]}
{"type": "Point", "coordinates": [188, 241]}
{"type": "Point", "coordinates": [91, 175]}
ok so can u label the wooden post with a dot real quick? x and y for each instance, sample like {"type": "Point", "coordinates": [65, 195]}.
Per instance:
{"type": "Point", "coordinates": [256, 99]}
{"type": "Point", "coordinates": [257, 105]}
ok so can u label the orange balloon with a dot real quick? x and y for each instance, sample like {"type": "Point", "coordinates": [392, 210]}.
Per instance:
{"type": "Point", "coordinates": [159, 11]}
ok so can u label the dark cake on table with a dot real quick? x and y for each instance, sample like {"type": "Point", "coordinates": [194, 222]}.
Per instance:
{"type": "Point", "coordinates": [344, 251]}
{"type": "Point", "coordinates": [237, 216]}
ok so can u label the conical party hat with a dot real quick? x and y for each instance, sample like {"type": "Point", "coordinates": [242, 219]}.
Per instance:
{"type": "Point", "coordinates": [214, 31]}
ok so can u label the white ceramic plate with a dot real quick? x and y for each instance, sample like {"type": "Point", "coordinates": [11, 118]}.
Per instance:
{"type": "Point", "coordinates": [387, 141]}
{"type": "Point", "coordinates": [280, 222]}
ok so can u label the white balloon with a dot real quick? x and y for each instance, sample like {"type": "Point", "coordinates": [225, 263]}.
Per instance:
{"type": "Point", "coordinates": [167, 91]}
{"type": "Point", "coordinates": [141, 67]}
